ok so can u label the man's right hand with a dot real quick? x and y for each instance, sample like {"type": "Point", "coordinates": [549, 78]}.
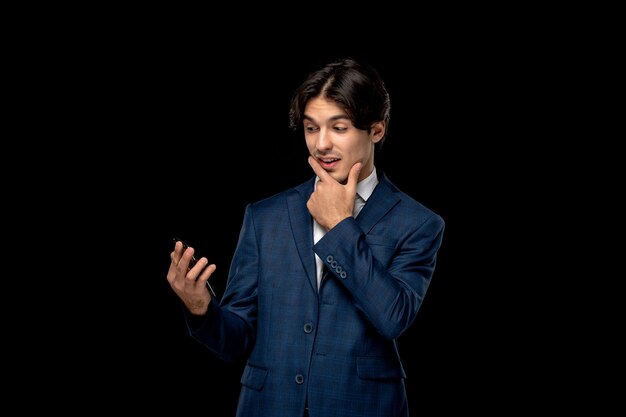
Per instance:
{"type": "Point", "coordinates": [190, 284]}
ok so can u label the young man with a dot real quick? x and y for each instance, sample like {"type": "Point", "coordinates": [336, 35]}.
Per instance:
{"type": "Point", "coordinates": [326, 275]}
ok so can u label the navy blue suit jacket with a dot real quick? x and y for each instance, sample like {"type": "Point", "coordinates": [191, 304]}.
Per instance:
{"type": "Point", "coordinates": [334, 348]}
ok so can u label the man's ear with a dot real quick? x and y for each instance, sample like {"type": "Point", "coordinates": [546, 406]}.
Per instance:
{"type": "Point", "coordinates": [377, 132]}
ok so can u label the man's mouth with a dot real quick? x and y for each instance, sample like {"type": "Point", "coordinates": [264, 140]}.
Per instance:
{"type": "Point", "coordinates": [328, 163]}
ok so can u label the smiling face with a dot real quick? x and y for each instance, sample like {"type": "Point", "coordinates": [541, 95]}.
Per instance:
{"type": "Point", "coordinates": [333, 140]}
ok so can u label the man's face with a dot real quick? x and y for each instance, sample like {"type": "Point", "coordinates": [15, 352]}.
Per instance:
{"type": "Point", "coordinates": [333, 140]}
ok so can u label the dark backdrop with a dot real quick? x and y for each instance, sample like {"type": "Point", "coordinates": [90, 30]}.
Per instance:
{"type": "Point", "coordinates": [184, 137]}
{"type": "Point", "coordinates": [127, 127]}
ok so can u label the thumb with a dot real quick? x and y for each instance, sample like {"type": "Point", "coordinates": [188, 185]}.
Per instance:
{"type": "Point", "coordinates": [353, 177]}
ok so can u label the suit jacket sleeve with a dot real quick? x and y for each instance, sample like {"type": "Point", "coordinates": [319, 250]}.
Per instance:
{"type": "Point", "coordinates": [388, 270]}
{"type": "Point", "coordinates": [230, 332]}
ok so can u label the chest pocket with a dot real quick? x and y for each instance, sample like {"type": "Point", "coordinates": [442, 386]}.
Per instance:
{"type": "Point", "coordinates": [383, 248]}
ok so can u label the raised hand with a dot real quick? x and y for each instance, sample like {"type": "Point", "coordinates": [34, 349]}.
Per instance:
{"type": "Point", "coordinates": [190, 283]}
{"type": "Point", "coordinates": [332, 202]}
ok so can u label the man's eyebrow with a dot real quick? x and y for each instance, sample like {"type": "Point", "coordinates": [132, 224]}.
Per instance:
{"type": "Point", "coordinates": [332, 119]}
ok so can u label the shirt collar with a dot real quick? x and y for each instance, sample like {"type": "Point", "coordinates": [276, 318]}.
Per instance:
{"type": "Point", "coordinates": [366, 187]}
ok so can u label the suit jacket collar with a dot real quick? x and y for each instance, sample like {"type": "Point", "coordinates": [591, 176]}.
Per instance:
{"type": "Point", "coordinates": [384, 197]}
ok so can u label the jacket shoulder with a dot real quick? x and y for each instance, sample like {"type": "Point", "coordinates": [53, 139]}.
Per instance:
{"type": "Point", "coordinates": [408, 207]}
{"type": "Point", "coordinates": [302, 191]}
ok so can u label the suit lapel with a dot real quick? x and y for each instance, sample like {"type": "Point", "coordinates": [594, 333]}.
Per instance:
{"type": "Point", "coordinates": [380, 202]}
{"type": "Point", "coordinates": [302, 228]}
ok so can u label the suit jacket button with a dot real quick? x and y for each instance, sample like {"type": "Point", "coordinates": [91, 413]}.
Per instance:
{"type": "Point", "coordinates": [308, 328]}
{"type": "Point", "coordinates": [330, 258]}
{"type": "Point", "coordinates": [299, 379]}
{"type": "Point", "coordinates": [343, 274]}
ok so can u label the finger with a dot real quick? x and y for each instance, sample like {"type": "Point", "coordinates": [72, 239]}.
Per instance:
{"type": "Point", "coordinates": [353, 176]}
{"type": "Point", "coordinates": [187, 256]}
{"type": "Point", "coordinates": [179, 265]}
{"type": "Point", "coordinates": [207, 272]}
{"type": "Point", "coordinates": [191, 274]}
{"type": "Point", "coordinates": [319, 171]}
{"type": "Point", "coordinates": [199, 275]}
{"type": "Point", "coordinates": [179, 250]}
{"type": "Point", "coordinates": [181, 258]}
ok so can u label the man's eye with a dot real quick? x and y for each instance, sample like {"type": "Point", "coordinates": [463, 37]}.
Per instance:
{"type": "Point", "coordinates": [310, 128]}
{"type": "Point", "coordinates": [340, 129]}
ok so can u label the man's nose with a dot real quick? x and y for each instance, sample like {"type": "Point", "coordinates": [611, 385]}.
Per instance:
{"type": "Point", "coordinates": [323, 140]}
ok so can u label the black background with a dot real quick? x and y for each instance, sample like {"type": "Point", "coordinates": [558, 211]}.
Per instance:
{"type": "Point", "coordinates": [210, 137]}
{"type": "Point", "coordinates": [177, 136]}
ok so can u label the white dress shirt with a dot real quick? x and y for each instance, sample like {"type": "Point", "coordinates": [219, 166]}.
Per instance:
{"type": "Point", "coordinates": [364, 190]}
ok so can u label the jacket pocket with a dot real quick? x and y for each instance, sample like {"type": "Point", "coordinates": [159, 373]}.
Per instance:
{"type": "Point", "coordinates": [382, 248]}
{"type": "Point", "coordinates": [253, 377]}
{"type": "Point", "coordinates": [379, 367]}
{"type": "Point", "coordinates": [380, 241]}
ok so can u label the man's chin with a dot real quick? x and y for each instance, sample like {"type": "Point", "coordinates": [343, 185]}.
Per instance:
{"type": "Point", "coordinates": [340, 179]}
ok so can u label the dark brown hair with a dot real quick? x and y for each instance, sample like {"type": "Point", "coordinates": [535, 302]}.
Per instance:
{"type": "Point", "coordinates": [356, 87]}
